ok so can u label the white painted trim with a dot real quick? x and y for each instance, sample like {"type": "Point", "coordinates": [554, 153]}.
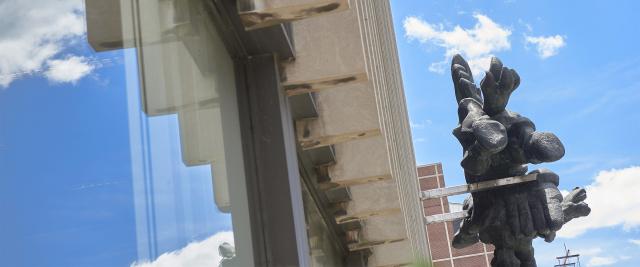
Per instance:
{"type": "Point", "coordinates": [486, 255]}
{"type": "Point", "coordinates": [429, 164]}
{"type": "Point", "coordinates": [446, 227]}
{"type": "Point", "coordinates": [428, 176]}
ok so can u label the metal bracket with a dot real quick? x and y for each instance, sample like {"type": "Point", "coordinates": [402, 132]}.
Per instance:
{"type": "Point", "coordinates": [468, 188]}
{"type": "Point", "coordinates": [445, 217]}
{"type": "Point", "coordinates": [476, 187]}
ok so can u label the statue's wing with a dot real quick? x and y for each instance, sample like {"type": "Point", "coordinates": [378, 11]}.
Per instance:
{"type": "Point", "coordinates": [463, 80]}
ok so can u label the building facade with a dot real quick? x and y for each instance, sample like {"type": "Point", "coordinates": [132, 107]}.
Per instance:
{"type": "Point", "coordinates": [440, 234]}
{"type": "Point", "coordinates": [298, 111]}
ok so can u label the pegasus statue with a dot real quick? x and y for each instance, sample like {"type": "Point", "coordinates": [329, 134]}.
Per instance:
{"type": "Point", "coordinates": [498, 143]}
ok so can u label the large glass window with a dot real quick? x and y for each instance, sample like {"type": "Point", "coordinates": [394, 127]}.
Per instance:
{"type": "Point", "coordinates": [119, 136]}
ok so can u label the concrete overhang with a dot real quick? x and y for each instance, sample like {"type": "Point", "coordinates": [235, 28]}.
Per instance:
{"type": "Point", "coordinates": [347, 72]}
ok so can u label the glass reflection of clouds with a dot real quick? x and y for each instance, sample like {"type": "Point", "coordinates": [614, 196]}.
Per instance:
{"type": "Point", "coordinates": [92, 171]}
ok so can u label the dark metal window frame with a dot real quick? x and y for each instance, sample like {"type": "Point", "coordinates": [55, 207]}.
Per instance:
{"type": "Point", "coordinates": [273, 178]}
{"type": "Point", "coordinates": [275, 171]}
{"type": "Point", "coordinates": [274, 188]}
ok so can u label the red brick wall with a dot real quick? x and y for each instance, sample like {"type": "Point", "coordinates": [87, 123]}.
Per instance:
{"type": "Point", "coordinates": [473, 261]}
{"type": "Point", "coordinates": [440, 234]}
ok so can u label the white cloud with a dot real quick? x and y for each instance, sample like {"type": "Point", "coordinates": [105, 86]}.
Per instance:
{"type": "Point", "coordinates": [613, 201]}
{"type": "Point", "coordinates": [547, 46]}
{"type": "Point", "coordinates": [420, 125]}
{"type": "Point", "coordinates": [477, 44]}
{"type": "Point", "coordinates": [595, 257]}
{"type": "Point", "coordinates": [34, 32]}
{"type": "Point", "coordinates": [70, 69]}
{"type": "Point", "coordinates": [602, 261]}
{"type": "Point", "coordinates": [589, 252]}
{"type": "Point", "coordinates": [526, 25]}
{"type": "Point", "coordinates": [203, 253]}
{"type": "Point", "coordinates": [635, 241]}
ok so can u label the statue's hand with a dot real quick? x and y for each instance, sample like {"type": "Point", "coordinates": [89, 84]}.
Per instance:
{"type": "Point", "coordinates": [490, 138]}
{"type": "Point", "coordinates": [543, 147]}
{"type": "Point", "coordinates": [561, 210]}
{"type": "Point", "coordinates": [463, 80]}
{"type": "Point", "coordinates": [526, 210]}
{"type": "Point", "coordinates": [479, 135]}
{"type": "Point", "coordinates": [573, 205]}
{"type": "Point", "coordinates": [467, 233]}
{"type": "Point", "coordinates": [548, 217]}
{"type": "Point", "coordinates": [497, 86]}
{"type": "Point", "coordinates": [535, 209]}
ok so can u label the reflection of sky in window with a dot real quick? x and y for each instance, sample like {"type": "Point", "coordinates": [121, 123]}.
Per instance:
{"type": "Point", "coordinates": [69, 169]}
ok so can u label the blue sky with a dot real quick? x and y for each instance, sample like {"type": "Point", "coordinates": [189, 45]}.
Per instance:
{"type": "Point", "coordinates": [73, 190]}
{"type": "Point", "coordinates": [579, 67]}
{"type": "Point", "coordinates": [67, 184]}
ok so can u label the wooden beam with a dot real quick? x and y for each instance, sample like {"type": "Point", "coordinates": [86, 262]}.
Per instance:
{"type": "Point", "coordinates": [370, 244]}
{"type": "Point", "coordinates": [293, 88]}
{"type": "Point", "coordinates": [355, 181]}
{"type": "Point", "coordinates": [308, 142]}
{"type": "Point", "coordinates": [475, 187]}
{"type": "Point", "coordinates": [366, 214]}
{"type": "Point", "coordinates": [272, 15]}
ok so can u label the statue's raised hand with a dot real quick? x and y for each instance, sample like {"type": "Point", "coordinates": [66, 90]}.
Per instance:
{"type": "Point", "coordinates": [479, 135]}
{"type": "Point", "coordinates": [463, 80]}
{"type": "Point", "coordinates": [497, 86]}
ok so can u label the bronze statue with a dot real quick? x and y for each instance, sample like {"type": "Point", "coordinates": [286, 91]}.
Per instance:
{"type": "Point", "coordinates": [499, 143]}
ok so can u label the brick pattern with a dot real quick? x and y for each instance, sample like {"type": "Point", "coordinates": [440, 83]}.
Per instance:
{"type": "Point", "coordinates": [438, 241]}
{"type": "Point", "coordinates": [473, 249]}
{"type": "Point", "coordinates": [440, 234]}
{"type": "Point", "coordinates": [473, 261]}
{"type": "Point", "coordinates": [442, 264]}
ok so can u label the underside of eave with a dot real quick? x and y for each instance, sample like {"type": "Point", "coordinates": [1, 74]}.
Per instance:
{"type": "Point", "coordinates": [360, 116]}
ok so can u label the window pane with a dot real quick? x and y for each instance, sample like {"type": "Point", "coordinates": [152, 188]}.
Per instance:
{"type": "Point", "coordinates": [324, 250]}
{"type": "Point", "coordinates": [117, 149]}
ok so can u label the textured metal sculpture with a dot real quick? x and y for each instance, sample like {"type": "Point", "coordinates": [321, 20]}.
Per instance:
{"type": "Point", "coordinates": [499, 143]}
